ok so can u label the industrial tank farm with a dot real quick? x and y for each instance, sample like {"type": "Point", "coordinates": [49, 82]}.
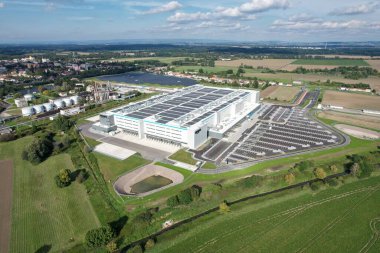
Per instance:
{"type": "Point", "coordinates": [46, 107]}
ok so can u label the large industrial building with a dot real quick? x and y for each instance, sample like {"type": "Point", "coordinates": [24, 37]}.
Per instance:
{"type": "Point", "coordinates": [187, 117]}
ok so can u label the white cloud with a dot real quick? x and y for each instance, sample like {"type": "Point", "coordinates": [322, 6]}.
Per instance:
{"type": "Point", "coordinates": [242, 12]}
{"type": "Point", "coordinates": [317, 24]}
{"type": "Point", "coordinates": [2, 5]}
{"type": "Point", "coordinates": [363, 8]}
{"type": "Point", "coordinates": [84, 18]}
{"type": "Point", "coordinates": [255, 6]}
{"type": "Point", "coordinates": [171, 6]}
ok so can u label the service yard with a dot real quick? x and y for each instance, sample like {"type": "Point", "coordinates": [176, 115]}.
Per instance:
{"type": "Point", "coordinates": [351, 100]}
{"type": "Point", "coordinates": [280, 93]}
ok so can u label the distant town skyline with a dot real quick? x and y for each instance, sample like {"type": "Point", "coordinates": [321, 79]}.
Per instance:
{"type": "Point", "coordinates": [241, 20]}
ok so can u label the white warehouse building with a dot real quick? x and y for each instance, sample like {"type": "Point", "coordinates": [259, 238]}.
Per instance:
{"type": "Point", "coordinates": [188, 117]}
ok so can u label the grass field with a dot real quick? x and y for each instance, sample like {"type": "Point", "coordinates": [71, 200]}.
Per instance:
{"type": "Point", "coordinates": [183, 156]}
{"type": "Point", "coordinates": [112, 168]}
{"type": "Point", "coordinates": [333, 220]}
{"type": "Point", "coordinates": [370, 122]}
{"type": "Point", "coordinates": [331, 62]}
{"type": "Point", "coordinates": [280, 93]}
{"type": "Point", "coordinates": [351, 100]}
{"type": "Point", "coordinates": [42, 213]}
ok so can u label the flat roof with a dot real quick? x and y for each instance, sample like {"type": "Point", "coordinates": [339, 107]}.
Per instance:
{"type": "Point", "coordinates": [187, 106]}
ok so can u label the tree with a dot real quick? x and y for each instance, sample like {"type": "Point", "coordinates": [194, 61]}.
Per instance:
{"type": "Point", "coordinates": [184, 197]}
{"type": "Point", "coordinates": [149, 244]}
{"type": "Point", "coordinates": [195, 191]}
{"type": "Point", "coordinates": [63, 179]}
{"type": "Point", "coordinates": [320, 173]}
{"type": "Point", "coordinates": [355, 169]}
{"type": "Point", "coordinates": [172, 201]}
{"type": "Point", "coordinates": [99, 236]}
{"type": "Point", "coordinates": [223, 207]}
{"type": "Point", "coordinates": [290, 178]}
{"type": "Point", "coordinates": [334, 168]}
{"type": "Point", "coordinates": [62, 123]}
{"type": "Point", "coordinates": [111, 246]}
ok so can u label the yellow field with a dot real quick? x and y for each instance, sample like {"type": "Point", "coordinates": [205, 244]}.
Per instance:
{"type": "Point", "coordinates": [280, 93]}
{"type": "Point", "coordinates": [351, 100]}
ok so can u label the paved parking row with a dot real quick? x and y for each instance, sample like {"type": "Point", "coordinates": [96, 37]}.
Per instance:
{"type": "Point", "coordinates": [282, 130]}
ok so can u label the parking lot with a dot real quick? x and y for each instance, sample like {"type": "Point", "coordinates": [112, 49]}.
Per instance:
{"type": "Point", "coordinates": [281, 130]}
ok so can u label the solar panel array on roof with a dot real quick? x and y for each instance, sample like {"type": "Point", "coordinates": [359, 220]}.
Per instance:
{"type": "Point", "coordinates": [176, 107]}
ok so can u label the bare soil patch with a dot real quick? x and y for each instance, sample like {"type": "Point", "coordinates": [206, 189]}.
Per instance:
{"type": "Point", "coordinates": [352, 119]}
{"type": "Point", "coordinates": [281, 93]}
{"type": "Point", "coordinates": [265, 63]}
{"type": "Point", "coordinates": [358, 132]}
{"type": "Point", "coordinates": [351, 100]}
{"type": "Point", "coordinates": [6, 190]}
{"type": "Point", "coordinates": [374, 64]}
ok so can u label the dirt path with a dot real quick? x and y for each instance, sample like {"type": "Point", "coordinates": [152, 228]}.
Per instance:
{"type": "Point", "coordinates": [6, 185]}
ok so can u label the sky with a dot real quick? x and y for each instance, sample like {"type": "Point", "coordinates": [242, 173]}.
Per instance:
{"type": "Point", "coordinates": [233, 20]}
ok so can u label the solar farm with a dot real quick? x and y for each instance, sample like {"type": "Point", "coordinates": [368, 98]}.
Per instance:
{"type": "Point", "coordinates": [278, 131]}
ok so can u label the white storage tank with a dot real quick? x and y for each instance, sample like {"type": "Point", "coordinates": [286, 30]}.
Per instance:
{"type": "Point", "coordinates": [59, 103]}
{"type": "Point", "coordinates": [75, 99]}
{"type": "Point", "coordinates": [27, 111]}
{"type": "Point", "coordinates": [48, 107]}
{"type": "Point", "coordinates": [28, 97]}
{"type": "Point", "coordinates": [39, 108]}
{"type": "Point", "coordinates": [68, 101]}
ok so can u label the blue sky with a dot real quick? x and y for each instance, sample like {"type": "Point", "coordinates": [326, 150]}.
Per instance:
{"type": "Point", "coordinates": [240, 20]}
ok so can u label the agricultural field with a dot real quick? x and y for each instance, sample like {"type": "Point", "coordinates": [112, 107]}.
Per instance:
{"type": "Point", "coordinates": [374, 64]}
{"type": "Point", "coordinates": [351, 100]}
{"type": "Point", "coordinates": [280, 93]}
{"type": "Point", "coordinates": [370, 122]}
{"type": "Point", "coordinates": [43, 215]}
{"type": "Point", "coordinates": [374, 82]}
{"type": "Point", "coordinates": [298, 222]}
{"type": "Point", "coordinates": [331, 62]}
{"type": "Point", "coordinates": [265, 63]}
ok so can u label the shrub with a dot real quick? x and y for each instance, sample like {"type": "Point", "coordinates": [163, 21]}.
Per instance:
{"type": "Point", "coordinates": [251, 181]}
{"type": "Point", "coordinates": [223, 207]}
{"type": "Point", "coordinates": [332, 182]}
{"type": "Point", "coordinates": [142, 220]}
{"type": "Point", "coordinates": [334, 168]}
{"type": "Point", "coordinates": [314, 187]}
{"type": "Point", "coordinates": [355, 169]}
{"type": "Point", "coordinates": [320, 173]}
{"type": "Point", "coordinates": [62, 123]}
{"type": "Point", "coordinates": [149, 244]}
{"type": "Point", "coordinates": [63, 179]}
{"type": "Point", "coordinates": [172, 201]}
{"type": "Point", "coordinates": [195, 191]}
{"type": "Point", "coordinates": [82, 176]}
{"type": "Point", "coordinates": [99, 237]}
{"type": "Point", "coordinates": [304, 165]}
{"type": "Point", "coordinates": [136, 249]}
{"type": "Point", "coordinates": [289, 178]}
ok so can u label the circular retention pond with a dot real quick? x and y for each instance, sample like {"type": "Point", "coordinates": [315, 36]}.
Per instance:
{"type": "Point", "coordinates": [147, 180]}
